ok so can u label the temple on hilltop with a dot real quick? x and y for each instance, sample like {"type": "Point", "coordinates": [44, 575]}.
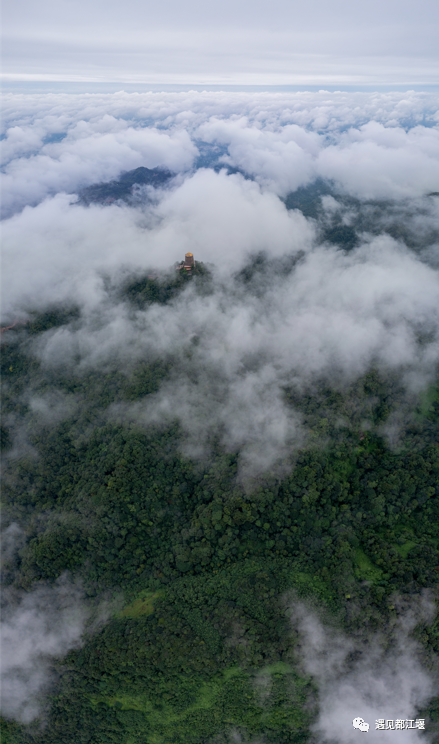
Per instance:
{"type": "Point", "coordinates": [188, 264]}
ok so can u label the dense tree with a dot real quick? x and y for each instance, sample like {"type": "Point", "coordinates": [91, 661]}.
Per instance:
{"type": "Point", "coordinates": [205, 566]}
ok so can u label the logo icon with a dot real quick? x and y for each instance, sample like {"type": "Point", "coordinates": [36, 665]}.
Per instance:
{"type": "Point", "coordinates": [360, 723]}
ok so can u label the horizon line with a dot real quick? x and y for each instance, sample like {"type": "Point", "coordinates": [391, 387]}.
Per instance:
{"type": "Point", "coordinates": [10, 86]}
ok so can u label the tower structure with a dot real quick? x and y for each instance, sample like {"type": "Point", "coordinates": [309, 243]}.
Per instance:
{"type": "Point", "coordinates": [187, 265]}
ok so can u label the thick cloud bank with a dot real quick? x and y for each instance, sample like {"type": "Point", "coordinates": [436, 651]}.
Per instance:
{"type": "Point", "coordinates": [63, 250]}
{"type": "Point", "coordinates": [319, 309]}
{"type": "Point", "coordinates": [374, 145]}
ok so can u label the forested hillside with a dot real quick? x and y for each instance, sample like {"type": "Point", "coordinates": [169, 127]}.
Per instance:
{"type": "Point", "coordinates": [199, 567]}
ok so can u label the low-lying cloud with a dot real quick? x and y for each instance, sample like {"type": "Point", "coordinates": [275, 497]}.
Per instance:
{"type": "Point", "coordinates": [34, 170]}
{"type": "Point", "coordinates": [373, 145]}
{"type": "Point", "coordinates": [237, 349]}
{"type": "Point", "coordinates": [314, 311]}
{"type": "Point", "coordinates": [370, 161]}
{"type": "Point", "coordinates": [59, 251]}
{"type": "Point", "coordinates": [38, 627]}
{"type": "Point", "coordinates": [372, 678]}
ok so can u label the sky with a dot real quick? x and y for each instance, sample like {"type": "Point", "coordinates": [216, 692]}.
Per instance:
{"type": "Point", "coordinates": [379, 43]}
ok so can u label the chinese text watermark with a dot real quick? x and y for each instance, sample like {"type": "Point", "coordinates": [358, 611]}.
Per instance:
{"type": "Point", "coordinates": [396, 724]}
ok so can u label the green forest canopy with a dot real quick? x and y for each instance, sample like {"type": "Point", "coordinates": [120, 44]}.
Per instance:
{"type": "Point", "coordinates": [199, 559]}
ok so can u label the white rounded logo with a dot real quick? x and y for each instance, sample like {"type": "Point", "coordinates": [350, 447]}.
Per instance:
{"type": "Point", "coordinates": [360, 724]}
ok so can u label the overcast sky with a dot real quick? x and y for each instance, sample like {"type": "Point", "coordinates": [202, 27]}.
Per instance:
{"type": "Point", "coordinates": [284, 42]}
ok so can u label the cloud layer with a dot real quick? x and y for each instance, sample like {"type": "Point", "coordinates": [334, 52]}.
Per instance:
{"type": "Point", "coordinates": [374, 146]}
{"type": "Point", "coordinates": [332, 314]}
{"type": "Point", "coordinates": [331, 317]}
{"type": "Point", "coordinates": [288, 43]}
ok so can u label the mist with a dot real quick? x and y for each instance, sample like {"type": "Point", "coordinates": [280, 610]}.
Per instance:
{"type": "Point", "coordinates": [329, 318]}
{"type": "Point", "coordinates": [38, 627]}
{"type": "Point", "coordinates": [317, 311]}
{"type": "Point", "coordinates": [367, 676]}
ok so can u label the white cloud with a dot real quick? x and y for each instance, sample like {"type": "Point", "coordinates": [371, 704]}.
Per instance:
{"type": "Point", "coordinates": [43, 624]}
{"type": "Point", "coordinates": [63, 250]}
{"type": "Point", "coordinates": [318, 111]}
{"type": "Point", "coordinates": [282, 160]}
{"type": "Point", "coordinates": [334, 315]}
{"type": "Point", "coordinates": [377, 162]}
{"type": "Point", "coordinates": [90, 153]}
{"type": "Point", "coordinates": [372, 678]}
{"type": "Point", "coordinates": [373, 145]}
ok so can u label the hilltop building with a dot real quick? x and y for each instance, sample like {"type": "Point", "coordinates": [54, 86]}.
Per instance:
{"type": "Point", "coordinates": [188, 264]}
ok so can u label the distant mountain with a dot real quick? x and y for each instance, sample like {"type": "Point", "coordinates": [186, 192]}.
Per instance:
{"type": "Point", "coordinates": [106, 193]}
{"type": "Point", "coordinates": [347, 217]}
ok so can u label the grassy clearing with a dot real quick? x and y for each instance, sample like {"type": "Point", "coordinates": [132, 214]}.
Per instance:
{"type": "Point", "coordinates": [429, 402]}
{"type": "Point", "coordinates": [207, 696]}
{"type": "Point", "coordinates": [365, 569]}
{"type": "Point", "coordinates": [404, 549]}
{"type": "Point", "coordinates": [143, 605]}
{"type": "Point", "coordinates": [270, 699]}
